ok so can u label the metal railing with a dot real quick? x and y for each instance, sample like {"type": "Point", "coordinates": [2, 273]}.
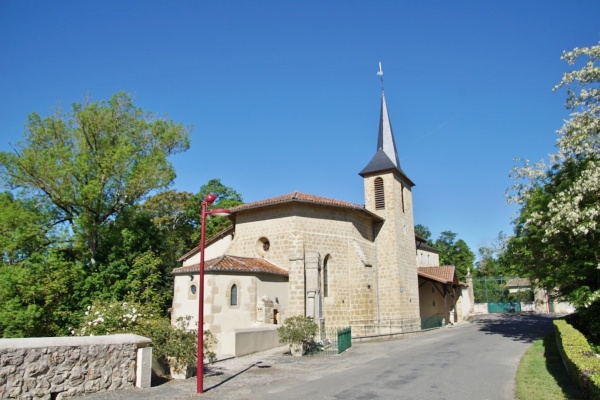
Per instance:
{"type": "Point", "coordinates": [330, 341]}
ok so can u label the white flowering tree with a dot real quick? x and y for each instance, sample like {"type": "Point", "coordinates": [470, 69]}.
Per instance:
{"type": "Point", "coordinates": [557, 233]}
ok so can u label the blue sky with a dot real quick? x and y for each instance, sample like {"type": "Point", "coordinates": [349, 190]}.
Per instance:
{"type": "Point", "coordinates": [284, 96]}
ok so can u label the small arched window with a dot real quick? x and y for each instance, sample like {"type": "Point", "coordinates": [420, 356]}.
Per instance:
{"type": "Point", "coordinates": [379, 194]}
{"type": "Point", "coordinates": [402, 196]}
{"type": "Point", "coordinates": [233, 301]}
{"type": "Point", "coordinates": [325, 277]}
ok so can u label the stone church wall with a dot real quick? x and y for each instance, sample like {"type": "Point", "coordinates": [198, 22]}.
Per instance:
{"type": "Point", "coordinates": [220, 316]}
{"type": "Point", "coordinates": [395, 250]}
{"type": "Point", "coordinates": [298, 233]}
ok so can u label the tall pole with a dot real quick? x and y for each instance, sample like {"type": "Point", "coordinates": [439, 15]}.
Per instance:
{"type": "Point", "coordinates": [208, 200]}
{"type": "Point", "coordinates": [200, 360]}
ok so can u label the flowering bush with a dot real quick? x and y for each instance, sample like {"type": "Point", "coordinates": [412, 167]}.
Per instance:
{"type": "Point", "coordinates": [105, 318]}
{"type": "Point", "coordinates": [169, 341]}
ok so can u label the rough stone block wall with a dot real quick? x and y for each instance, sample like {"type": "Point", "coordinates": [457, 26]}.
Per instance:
{"type": "Point", "coordinates": [366, 281]}
{"type": "Point", "coordinates": [56, 372]}
{"type": "Point", "coordinates": [396, 250]}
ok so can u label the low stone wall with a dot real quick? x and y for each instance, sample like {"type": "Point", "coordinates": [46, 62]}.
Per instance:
{"type": "Point", "coordinates": [528, 306]}
{"type": "Point", "coordinates": [55, 368]}
{"type": "Point", "coordinates": [240, 342]}
{"type": "Point", "coordinates": [480, 308]}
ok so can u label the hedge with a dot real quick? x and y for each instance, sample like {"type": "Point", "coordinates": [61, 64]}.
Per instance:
{"type": "Point", "coordinates": [579, 358]}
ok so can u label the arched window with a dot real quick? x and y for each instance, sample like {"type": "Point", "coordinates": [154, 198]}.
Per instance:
{"type": "Point", "coordinates": [379, 194]}
{"type": "Point", "coordinates": [233, 299]}
{"type": "Point", "coordinates": [402, 195]}
{"type": "Point", "coordinates": [325, 277]}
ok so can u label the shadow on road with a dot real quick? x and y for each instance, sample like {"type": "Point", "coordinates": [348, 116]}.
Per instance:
{"type": "Point", "coordinates": [257, 364]}
{"type": "Point", "coordinates": [521, 327]}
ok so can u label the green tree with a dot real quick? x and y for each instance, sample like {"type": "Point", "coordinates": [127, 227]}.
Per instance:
{"type": "Point", "coordinates": [226, 198]}
{"type": "Point", "coordinates": [491, 261]}
{"type": "Point", "coordinates": [557, 231]}
{"type": "Point", "coordinates": [38, 276]}
{"type": "Point", "coordinates": [137, 259]}
{"type": "Point", "coordinates": [38, 296]}
{"type": "Point", "coordinates": [455, 252]}
{"type": "Point", "coordinates": [24, 228]}
{"type": "Point", "coordinates": [94, 161]}
{"type": "Point", "coordinates": [423, 232]}
{"type": "Point", "coordinates": [171, 213]}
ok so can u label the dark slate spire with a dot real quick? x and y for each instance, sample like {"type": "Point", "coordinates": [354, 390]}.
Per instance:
{"type": "Point", "coordinates": [386, 156]}
{"type": "Point", "coordinates": [385, 140]}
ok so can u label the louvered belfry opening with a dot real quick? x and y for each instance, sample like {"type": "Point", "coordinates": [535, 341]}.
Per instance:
{"type": "Point", "coordinates": [379, 194]}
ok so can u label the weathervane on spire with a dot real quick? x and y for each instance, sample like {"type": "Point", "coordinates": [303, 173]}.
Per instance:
{"type": "Point", "coordinates": [380, 75]}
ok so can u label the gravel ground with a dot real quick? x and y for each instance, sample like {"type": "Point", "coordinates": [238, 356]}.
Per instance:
{"type": "Point", "coordinates": [236, 378]}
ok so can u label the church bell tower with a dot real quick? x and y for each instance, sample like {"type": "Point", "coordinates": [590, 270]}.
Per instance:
{"type": "Point", "coordinates": [388, 193]}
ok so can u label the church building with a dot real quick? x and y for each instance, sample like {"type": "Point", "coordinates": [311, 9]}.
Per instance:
{"type": "Point", "coordinates": [340, 263]}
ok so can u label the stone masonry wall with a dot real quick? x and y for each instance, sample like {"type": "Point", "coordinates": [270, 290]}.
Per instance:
{"type": "Point", "coordinates": [56, 368]}
{"type": "Point", "coordinates": [344, 237]}
{"type": "Point", "coordinates": [396, 250]}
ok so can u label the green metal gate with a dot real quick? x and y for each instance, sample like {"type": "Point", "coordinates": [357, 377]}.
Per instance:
{"type": "Point", "coordinates": [344, 339]}
{"type": "Point", "coordinates": [504, 307]}
{"type": "Point", "coordinates": [330, 341]}
{"type": "Point", "coordinates": [493, 290]}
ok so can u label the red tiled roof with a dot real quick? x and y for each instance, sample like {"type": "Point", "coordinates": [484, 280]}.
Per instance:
{"type": "Point", "coordinates": [302, 198]}
{"type": "Point", "coordinates": [444, 274]}
{"type": "Point", "coordinates": [234, 264]}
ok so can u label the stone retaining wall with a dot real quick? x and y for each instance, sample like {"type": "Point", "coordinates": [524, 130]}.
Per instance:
{"type": "Point", "coordinates": [241, 342]}
{"type": "Point", "coordinates": [55, 368]}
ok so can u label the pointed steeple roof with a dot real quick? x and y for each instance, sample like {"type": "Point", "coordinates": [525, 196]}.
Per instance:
{"type": "Point", "coordinates": [386, 156]}
{"type": "Point", "coordinates": [385, 140]}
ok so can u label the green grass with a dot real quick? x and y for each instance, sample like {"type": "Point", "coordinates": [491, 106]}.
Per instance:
{"type": "Point", "coordinates": [542, 375]}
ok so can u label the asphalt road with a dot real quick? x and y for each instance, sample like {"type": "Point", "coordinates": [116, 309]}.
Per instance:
{"type": "Point", "coordinates": [476, 360]}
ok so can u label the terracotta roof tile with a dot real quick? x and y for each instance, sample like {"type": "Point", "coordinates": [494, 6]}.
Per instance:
{"type": "Point", "coordinates": [444, 274]}
{"type": "Point", "coordinates": [302, 198]}
{"type": "Point", "coordinates": [235, 264]}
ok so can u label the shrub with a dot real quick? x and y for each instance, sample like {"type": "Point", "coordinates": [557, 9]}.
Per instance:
{"type": "Point", "coordinates": [298, 329]}
{"type": "Point", "coordinates": [581, 362]}
{"type": "Point", "coordinates": [587, 321]}
{"type": "Point", "coordinates": [168, 340]}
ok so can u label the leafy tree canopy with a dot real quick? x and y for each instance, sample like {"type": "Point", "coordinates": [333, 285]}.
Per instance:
{"type": "Point", "coordinates": [226, 198]}
{"type": "Point", "coordinates": [455, 252]}
{"type": "Point", "coordinates": [423, 232]}
{"type": "Point", "coordinates": [25, 228]}
{"type": "Point", "coordinates": [94, 161]}
{"type": "Point", "coordinates": [491, 261]}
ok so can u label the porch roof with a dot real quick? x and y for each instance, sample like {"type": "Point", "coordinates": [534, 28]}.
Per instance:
{"type": "Point", "coordinates": [445, 274]}
{"type": "Point", "coordinates": [228, 263]}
